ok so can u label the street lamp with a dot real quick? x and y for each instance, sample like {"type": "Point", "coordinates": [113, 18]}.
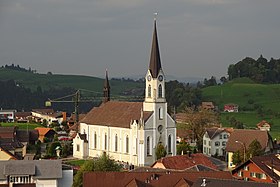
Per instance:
{"type": "Point", "coordinates": [244, 149]}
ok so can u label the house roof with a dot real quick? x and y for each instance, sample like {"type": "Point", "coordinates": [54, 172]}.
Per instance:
{"type": "Point", "coordinates": [43, 130]}
{"type": "Point", "coordinates": [7, 132]}
{"type": "Point", "coordinates": [161, 179]}
{"type": "Point", "coordinates": [26, 136]}
{"type": "Point", "coordinates": [215, 182]}
{"type": "Point", "coordinates": [246, 136]}
{"type": "Point", "coordinates": [183, 133]}
{"type": "Point", "coordinates": [115, 114]}
{"type": "Point", "coordinates": [44, 110]}
{"type": "Point", "coordinates": [182, 162]}
{"type": "Point", "coordinates": [213, 132]}
{"type": "Point", "coordinates": [22, 114]}
{"type": "Point", "coordinates": [40, 169]}
{"type": "Point", "coordinates": [8, 152]}
{"type": "Point", "coordinates": [262, 123]}
{"type": "Point", "coordinates": [265, 163]}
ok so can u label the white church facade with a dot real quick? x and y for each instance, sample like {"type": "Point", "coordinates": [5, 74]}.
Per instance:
{"type": "Point", "coordinates": [130, 131]}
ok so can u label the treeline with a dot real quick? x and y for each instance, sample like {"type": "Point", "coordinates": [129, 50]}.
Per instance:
{"type": "Point", "coordinates": [18, 68]}
{"type": "Point", "coordinates": [182, 95]}
{"type": "Point", "coordinates": [13, 96]}
{"type": "Point", "coordinates": [260, 70]}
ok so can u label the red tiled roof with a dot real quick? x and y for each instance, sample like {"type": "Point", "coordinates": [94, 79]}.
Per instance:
{"type": "Point", "coordinates": [181, 162]}
{"type": "Point", "coordinates": [262, 123]}
{"type": "Point", "coordinates": [160, 179]}
{"type": "Point", "coordinates": [7, 132]}
{"type": "Point", "coordinates": [246, 136]}
{"type": "Point", "coordinates": [42, 130]}
{"type": "Point", "coordinates": [115, 114]}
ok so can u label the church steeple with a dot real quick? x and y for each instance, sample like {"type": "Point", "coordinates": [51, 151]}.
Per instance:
{"type": "Point", "coordinates": [106, 88]}
{"type": "Point", "coordinates": [155, 64]}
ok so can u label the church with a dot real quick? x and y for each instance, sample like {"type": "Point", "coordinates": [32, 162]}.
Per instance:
{"type": "Point", "coordinates": [130, 131]}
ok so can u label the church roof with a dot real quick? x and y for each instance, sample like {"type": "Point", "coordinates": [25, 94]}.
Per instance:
{"type": "Point", "coordinates": [155, 64]}
{"type": "Point", "coordinates": [116, 114]}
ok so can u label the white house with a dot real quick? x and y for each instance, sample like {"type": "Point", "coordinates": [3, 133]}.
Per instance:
{"type": "Point", "coordinates": [35, 173]}
{"type": "Point", "coordinates": [130, 131]}
{"type": "Point", "coordinates": [7, 115]}
{"type": "Point", "coordinates": [214, 141]}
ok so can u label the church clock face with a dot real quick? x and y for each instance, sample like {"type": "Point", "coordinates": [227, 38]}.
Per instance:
{"type": "Point", "coordinates": [149, 77]}
{"type": "Point", "coordinates": [160, 78]}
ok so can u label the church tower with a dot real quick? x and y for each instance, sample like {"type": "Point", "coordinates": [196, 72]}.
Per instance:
{"type": "Point", "coordinates": [106, 89]}
{"type": "Point", "coordinates": [155, 79]}
{"type": "Point", "coordinates": [161, 128]}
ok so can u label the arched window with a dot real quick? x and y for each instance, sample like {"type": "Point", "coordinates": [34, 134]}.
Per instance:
{"type": "Point", "coordinates": [95, 140]}
{"type": "Point", "coordinates": [169, 144]}
{"type": "Point", "coordinates": [149, 91]}
{"type": "Point", "coordinates": [160, 91]}
{"type": "Point", "coordinates": [105, 141]}
{"type": "Point", "coordinates": [127, 144]}
{"type": "Point", "coordinates": [116, 142]}
{"type": "Point", "coordinates": [160, 113]}
{"type": "Point", "coordinates": [148, 146]}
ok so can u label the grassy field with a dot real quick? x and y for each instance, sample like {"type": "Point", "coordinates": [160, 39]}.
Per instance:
{"type": "Point", "coordinates": [246, 94]}
{"type": "Point", "coordinates": [32, 80]}
{"type": "Point", "coordinates": [21, 125]}
{"type": "Point", "coordinates": [249, 96]}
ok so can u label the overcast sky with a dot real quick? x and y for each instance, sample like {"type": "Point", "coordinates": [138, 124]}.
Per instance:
{"type": "Point", "coordinates": [198, 38]}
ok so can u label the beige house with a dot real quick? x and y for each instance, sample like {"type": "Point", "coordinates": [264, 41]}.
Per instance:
{"type": "Point", "coordinates": [240, 139]}
{"type": "Point", "coordinates": [130, 131]}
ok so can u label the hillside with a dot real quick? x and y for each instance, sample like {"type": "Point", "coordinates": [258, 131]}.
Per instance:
{"type": "Point", "coordinates": [247, 94]}
{"type": "Point", "coordinates": [256, 102]}
{"type": "Point", "coordinates": [46, 81]}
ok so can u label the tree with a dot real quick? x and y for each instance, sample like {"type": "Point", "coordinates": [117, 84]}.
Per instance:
{"type": "Point", "coordinates": [197, 120]}
{"type": "Point", "coordinates": [160, 151]}
{"type": "Point", "coordinates": [102, 163]}
{"type": "Point", "coordinates": [237, 158]}
{"type": "Point", "coordinates": [183, 147]}
{"type": "Point", "coordinates": [254, 149]}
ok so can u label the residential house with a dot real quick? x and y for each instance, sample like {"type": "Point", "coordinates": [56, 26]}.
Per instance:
{"type": "Point", "coordinates": [231, 107]}
{"type": "Point", "coordinates": [130, 131]}
{"type": "Point", "coordinates": [7, 115]}
{"type": "Point", "coordinates": [6, 155]}
{"type": "Point", "coordinates": [34, 173]}
{"type": "Point", "coordinates": [240, 139]}
{"type": "Point", "coordinates": [264, 126]}
{"type": "Point", "coordinates": [196, 162]}
{"type": "Point", "coordinates": [149, 179]}
{"type": "Point", "coordinates": [23, 117]}
{"type": "Point", "coordinates": [208, 105]}
{"type": "Point", "coordinates": [48, 115]}
{"type": "Point", "coordinates": [10, 143]}
{"type": "Point", "coordinates": [214, 141]}
{"type": "Point", "coordinates": [184, 135]}
{"type": "Point", "coordinates": [214, 182]}
{"type": "Point", "coordinates": [45, 133]}
{"type": "Point", "coordinates": [264, 168]}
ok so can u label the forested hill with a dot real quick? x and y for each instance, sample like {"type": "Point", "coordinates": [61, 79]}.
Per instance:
{"type": "Point", "coordinates": [260, 70]}
{"type": "Point", "coordinates": [23, 89]}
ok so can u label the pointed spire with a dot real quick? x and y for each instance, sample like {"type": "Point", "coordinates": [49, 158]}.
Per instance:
{"type": "Point", "coordinates": [155, 64]}
{"type": "Point", "coordinates": [106, 88]}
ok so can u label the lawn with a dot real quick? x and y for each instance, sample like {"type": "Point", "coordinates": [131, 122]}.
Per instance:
{"type": "Point", "coordinates": [251, 119]}
{"type": "Point", "coordinates": [21, 125]}
{"type": "Point", "coordinates": [76, 162]}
